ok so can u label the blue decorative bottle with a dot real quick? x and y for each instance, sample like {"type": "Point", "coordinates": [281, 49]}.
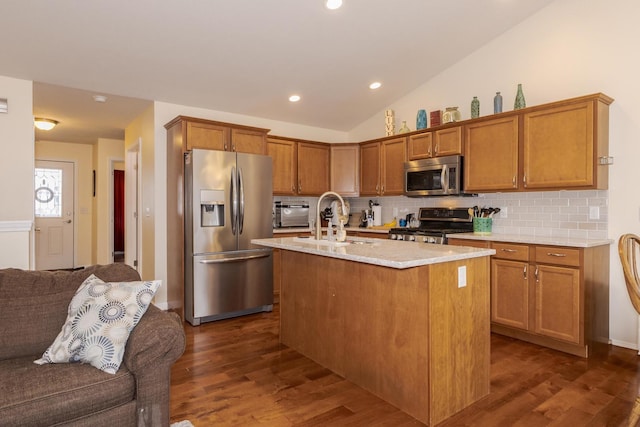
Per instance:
{"type": "Point", "coordinates": [421, 120]}
{"type": "Point", "coordinates": [497, 103]}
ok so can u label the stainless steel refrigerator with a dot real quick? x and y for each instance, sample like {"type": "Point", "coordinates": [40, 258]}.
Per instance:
{"type": "Point", "coordinates": [228, 202]}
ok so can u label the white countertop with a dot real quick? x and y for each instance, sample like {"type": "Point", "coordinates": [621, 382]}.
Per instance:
{"type": "Point", "coordinates": [349, 229]}
{"type": "Point", "coordinates": [534, 240]}
{"type": "Point", "coordinates": [387, 253]}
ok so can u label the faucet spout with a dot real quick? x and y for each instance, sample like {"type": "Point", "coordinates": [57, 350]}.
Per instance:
{"type": "Point", "coordinates": [322, 196]}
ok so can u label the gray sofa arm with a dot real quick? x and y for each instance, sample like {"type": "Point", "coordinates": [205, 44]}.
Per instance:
{"type": "Point", "coordinates": [156, 342]}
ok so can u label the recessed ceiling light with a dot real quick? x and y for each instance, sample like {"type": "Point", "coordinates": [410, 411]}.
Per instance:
{"type": "Point", "coordinates": [294, 98]}
{"type": "Point", "coordinates": [333, 4]}
{"type": "Point", "coordinates": [99, 98]}
{"type": "Point", "coordinates": [375, 85]}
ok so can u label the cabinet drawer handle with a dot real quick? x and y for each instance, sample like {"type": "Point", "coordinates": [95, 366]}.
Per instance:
{"type": "Point", "coordinates": [556, 254]}
{"type": "Point", "coordinates": [509, 250]}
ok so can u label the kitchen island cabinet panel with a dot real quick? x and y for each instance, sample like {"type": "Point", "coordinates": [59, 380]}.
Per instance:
{"type": "Point", "coordinates": [411, 336]}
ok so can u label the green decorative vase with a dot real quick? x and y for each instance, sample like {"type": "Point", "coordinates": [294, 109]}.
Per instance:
{"type": "Point", "coordinates": [520, 103]}
{"type": "Point", "coordinates": [475, 108]}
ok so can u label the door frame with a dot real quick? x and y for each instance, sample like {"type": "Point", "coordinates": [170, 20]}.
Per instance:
{"type": "Point", "coordinates": [75, 207]}
{"type": "Point", "coordinates": [132, 203]}
{"type": "Point", "coordinates": [112, 164]}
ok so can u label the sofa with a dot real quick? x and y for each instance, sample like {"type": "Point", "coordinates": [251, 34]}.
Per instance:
{"type": "Point", "coordinates": [33, 308]}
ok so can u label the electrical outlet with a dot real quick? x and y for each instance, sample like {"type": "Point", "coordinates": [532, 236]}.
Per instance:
{"type": "Point", "coordinates": [503, 212]}
{"type": "Point", "coordinates": [462, 276]}
{"type": "Point", "coordinates": [594, 212]}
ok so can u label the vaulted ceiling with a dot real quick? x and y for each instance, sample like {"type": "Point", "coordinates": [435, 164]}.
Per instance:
{"type": "Point", "coordinates": [239, 56]}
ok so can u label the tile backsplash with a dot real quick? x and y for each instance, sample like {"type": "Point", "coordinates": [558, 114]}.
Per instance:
{"type": "Point", "coordinates": [582, 214]}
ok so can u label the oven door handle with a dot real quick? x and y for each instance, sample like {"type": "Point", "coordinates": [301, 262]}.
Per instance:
{"type": "Point", "coordinates": [444, 178]}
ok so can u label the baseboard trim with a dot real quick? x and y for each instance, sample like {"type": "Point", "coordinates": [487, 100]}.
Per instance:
{"type": "Point", "coordinates": [630, 345]}
{"type": "Point", "coordinates": [162, 305]}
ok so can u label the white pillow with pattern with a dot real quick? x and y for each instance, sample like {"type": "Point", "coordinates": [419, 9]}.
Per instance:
{"type": "Point", "coordinates": [100, 317]}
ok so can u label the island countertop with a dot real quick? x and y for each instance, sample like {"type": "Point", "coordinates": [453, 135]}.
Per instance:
{"type": "Point", "coordinates": [386, 253]}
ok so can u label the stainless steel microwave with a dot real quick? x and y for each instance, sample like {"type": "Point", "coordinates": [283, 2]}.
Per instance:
{"type": "Point", "coordinates": [438, 176]}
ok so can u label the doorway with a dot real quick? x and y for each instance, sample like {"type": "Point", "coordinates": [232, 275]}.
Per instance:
{"type": "Point", "coordinates": [118, 215]}
{"type": "Point", "coordinates": [54, 214]}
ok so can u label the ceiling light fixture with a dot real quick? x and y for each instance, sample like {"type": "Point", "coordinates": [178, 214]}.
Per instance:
{"type": "Point", "coordinates": [333, 4]}
{"type": "Point", "coordinates": [294, 98]}
{"type": "Point", "coordinates": [44, 124]}
{"type": "Point", "coordinates": [99, 98]}
{"type": "Point", "coordinates": [375, 85]}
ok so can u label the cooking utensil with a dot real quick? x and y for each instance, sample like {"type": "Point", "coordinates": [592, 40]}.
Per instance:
{"type": "Point", "coordinates": [495, 211]}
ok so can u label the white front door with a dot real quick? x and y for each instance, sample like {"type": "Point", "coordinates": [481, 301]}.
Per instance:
{"type": "Point", "coordinates": [54, 219]}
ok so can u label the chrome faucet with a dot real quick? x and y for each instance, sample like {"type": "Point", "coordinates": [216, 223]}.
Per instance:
{"type": "Point", "coordinates": [328, 193]}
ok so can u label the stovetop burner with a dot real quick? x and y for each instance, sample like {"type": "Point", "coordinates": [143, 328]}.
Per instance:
{"type": "Point", "coordinates": [435, 225]}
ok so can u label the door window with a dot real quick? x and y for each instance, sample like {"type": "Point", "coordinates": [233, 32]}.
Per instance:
{"type": "Point", "coordinates": [48, 193]}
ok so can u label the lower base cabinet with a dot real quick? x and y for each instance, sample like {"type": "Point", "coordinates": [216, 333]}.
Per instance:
{"type": "Point", "coordinates": [553, 296]}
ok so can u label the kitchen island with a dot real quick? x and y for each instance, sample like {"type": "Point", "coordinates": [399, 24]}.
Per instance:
{"type": "Point", "coordinates": [410, 323]}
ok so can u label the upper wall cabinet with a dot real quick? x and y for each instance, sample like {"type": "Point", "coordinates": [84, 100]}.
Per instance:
{"type": "Point", "coordinates": [441, 142]}
{"type": "Point", "coordinates": [491, 155]}
{"type": "Point", "coordinates": [345, 169]}
{"type": "Point", "coordinates": [382, 167]}
{"type": "Point", "coordinates": [212, 135]}
{"type": "Point", "coordinates": [562, 145]}
{"type": "Point", "coordinates": [299, 168]}
{"type": "Point", "coordinates": [564, 142]}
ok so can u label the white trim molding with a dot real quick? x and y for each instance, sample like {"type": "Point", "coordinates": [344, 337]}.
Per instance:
{"type": "Point", "coordinates": [15, 226]}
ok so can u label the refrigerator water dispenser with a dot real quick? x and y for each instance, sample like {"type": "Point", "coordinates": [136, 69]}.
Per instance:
{"type": "Point", "coordinates": [211, 208]}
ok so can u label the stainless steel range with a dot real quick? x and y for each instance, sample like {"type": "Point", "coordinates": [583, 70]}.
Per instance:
{"type": "Point", "coordinates": [435, 225]}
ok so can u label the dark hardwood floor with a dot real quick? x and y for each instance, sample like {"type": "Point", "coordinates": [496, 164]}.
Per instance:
{"type": "Point", "coordinates": [236, 373]}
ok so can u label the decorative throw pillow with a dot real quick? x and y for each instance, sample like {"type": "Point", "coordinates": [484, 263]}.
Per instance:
{"type": "Point", "coordinates": [99, 320]}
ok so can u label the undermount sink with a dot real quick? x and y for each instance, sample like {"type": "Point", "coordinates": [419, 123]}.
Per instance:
{"type": "Point", "coordinates": [323, 242]}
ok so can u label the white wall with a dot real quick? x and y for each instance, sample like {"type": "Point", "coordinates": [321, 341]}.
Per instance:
{"type": "Point", "coordinates": [16, 176]}
{"type": "Point", "coordinates": [82, 157]}
{"type": "Point", "coordinates": [571, 48]}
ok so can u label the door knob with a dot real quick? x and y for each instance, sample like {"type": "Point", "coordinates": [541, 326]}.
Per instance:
{"type": "Point", "coordinates": [68, 221]}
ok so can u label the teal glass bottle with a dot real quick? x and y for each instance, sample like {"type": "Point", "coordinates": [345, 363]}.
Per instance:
{"type": "Point", "coordinates": [421, 120]}
{"type": "Point", "coordinates": [497, 103]}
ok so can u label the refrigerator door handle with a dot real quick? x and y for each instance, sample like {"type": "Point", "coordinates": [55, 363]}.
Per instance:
{"type": "Point", "coordinates": [241, 192]}
{"type": "Point", "coordinates": [236, 259]}
{"type": "Point", "coordinates": [234, 201]}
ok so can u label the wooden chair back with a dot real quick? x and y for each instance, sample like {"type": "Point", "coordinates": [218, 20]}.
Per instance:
{"type": "Point", "coordinates": [629, 250]}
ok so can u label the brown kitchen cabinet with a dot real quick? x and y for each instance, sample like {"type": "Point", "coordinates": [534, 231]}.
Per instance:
{"type": "Point", "coordinates": [441, 142]}
{"type": "Point", "coordinates": [212, 135]}
{"type": "Point", "coordinates": [299, 168]}
{"type": "Point", "coordinates": [556, 146]}
{"type": "Point", "coordinates": [552, 296]}
{"type": "Point", "coordinates": [563, 143]}
{"type": "Point", "coordinates": [382, 167]}
{"type": "Point", "coordinates": [491, 155]}
{"type": "Point", "coordinates": [345, 169]}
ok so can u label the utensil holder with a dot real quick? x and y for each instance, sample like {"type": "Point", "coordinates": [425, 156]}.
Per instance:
{"type": "Point", "coordinates": [482, 225]}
